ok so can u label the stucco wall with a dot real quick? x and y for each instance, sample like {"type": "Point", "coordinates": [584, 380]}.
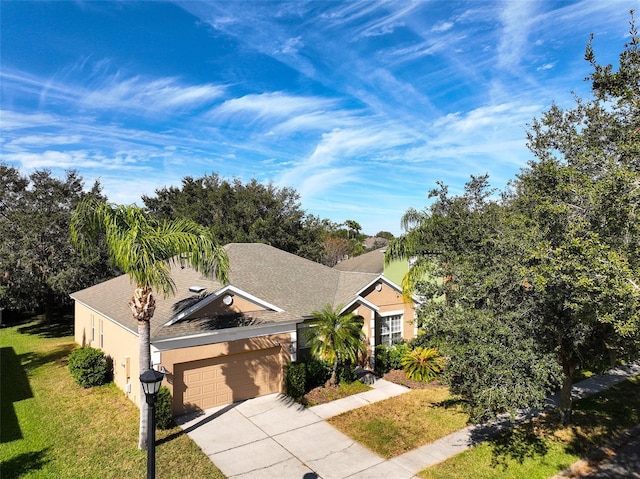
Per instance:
{"type": "Point", "coordinates": [118, 343]}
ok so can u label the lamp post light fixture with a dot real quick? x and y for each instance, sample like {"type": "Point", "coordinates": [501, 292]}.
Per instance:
{"type": "Point", "coordinates": [151, 381]}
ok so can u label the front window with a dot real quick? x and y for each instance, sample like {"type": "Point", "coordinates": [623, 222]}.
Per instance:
{"type": "Point", "coordinates": [390, 329]}
{"type": "Point", "coordinates": [304, 348]}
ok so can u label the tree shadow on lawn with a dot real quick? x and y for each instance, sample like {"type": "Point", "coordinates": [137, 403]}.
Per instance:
{"type": "Point", "coordinates": [33, 360]}
{"type": "Point", "coordinates": [600, 417]}
{"type": "Point", "coordinates": [37, 326]}
{"type": "Point", "coordinates": [22, 464]}
{"type": "Point", "coordinates": [14, 385]}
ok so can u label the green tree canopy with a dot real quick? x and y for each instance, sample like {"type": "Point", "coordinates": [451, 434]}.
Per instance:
{"type": "Point", "coordinates": [237, 212]}
{"type": "Point", "coordinates": [543, 279]}
{"type": "Point", "coordinates": [39, 267]}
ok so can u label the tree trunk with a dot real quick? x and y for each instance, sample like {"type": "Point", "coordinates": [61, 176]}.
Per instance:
{"type": "Point", "coordinates": [48, 308]}
{"type": "Point", "coordinates": [333, 380]}
{"type": "Point", "coordinates": [142, 307]}
{"type": "Point", "coordinates": [568, 369]}
{"type": "Point", "coordinates": [144, 351]}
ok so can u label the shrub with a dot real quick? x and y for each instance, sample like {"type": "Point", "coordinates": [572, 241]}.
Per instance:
{"type": "Point", "coordinates": [318, 373]}
{"type": "Point", "coordinates": [422, 364]}
{"type": "Point", "coordinates": [346, 372]}
{"type": "Point", "coordinates": [89, 367]}
{"type": "Point", "coordinates": [389, 357]}
{"type": "Point", "coordinates": [396, 353]}
{"type": "Point", "coordinates": [295, 379]}
{"type": "Point", "coordinates": [164, 418]}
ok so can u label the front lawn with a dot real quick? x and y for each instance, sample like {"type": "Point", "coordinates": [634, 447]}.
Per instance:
{"type": "Point", "coordinates": [53, 428]}
{"type": "Point", "coordinates": [402, 423]}
{"type": "Point", "coordinates": [542, 448]}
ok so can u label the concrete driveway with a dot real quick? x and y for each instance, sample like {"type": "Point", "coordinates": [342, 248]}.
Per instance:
{"type": "Point", "coordinates": [274, 437]}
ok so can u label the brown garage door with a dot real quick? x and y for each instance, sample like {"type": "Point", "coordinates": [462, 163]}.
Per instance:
{"type": "Point", "coordinates": [223, 380]}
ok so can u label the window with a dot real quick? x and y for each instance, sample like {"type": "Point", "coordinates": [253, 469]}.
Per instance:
{"type": "Point", "coordinates": [390, 329]}
{"type": "Point", "coordinates": [101, 334]}
{"type": "Point", "coordinates": [304, 349]}
{"type": "Point", "coordinates": [93, 328]}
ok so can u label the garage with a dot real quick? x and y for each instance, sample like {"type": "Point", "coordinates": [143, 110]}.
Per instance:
{"type": "Point", "coordinates": [217, 381]}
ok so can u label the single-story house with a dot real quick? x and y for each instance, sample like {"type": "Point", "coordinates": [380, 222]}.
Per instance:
{"type": "Point", "coordinates": [223, 343]}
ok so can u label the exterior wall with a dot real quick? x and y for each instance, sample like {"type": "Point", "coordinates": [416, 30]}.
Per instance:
{"type": "Point", "coordinates": [173, 357]}
{"type": "Point", "coordinates": [118, 343]}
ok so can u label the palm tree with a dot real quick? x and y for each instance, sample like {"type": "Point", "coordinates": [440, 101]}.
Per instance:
{"type": "Point", "coordinates": [335, 337]}
{"type": "Point", "coordinates": [145, 249]}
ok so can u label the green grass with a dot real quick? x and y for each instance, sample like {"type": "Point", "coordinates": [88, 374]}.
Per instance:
{"type": "Point", "coordinates": [53, 428]}
{"type": "Point", "coordinates": [397, 425]}
{"type": "Point", "coordinates": [543, 447]}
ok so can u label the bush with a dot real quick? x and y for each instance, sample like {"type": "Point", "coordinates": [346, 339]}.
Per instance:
{"type": "Point", "coordinates": [422, 364]}
{"type": "Point", "coordinates": [164, 418]}
{"type": "Point", "coordinates": [318, 373]}
{"type": "Point", "coordinates": [346, 372]}
{"type": "Point", "coordinates": [389, 357]}
{"type": "Point", "coordinates": [295, 379]}
{"type": "Point", "coordinates": [89, 367]}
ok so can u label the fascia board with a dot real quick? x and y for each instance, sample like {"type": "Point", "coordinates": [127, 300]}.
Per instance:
{"type": "Point", "coordinates": [382, 278]}
{"type": "Point", "coordinates": [215, 295]}
{"type": "Point", "coordinates": [416, 299]}
{"type": "Point", "coordinates": [225, 335]}
{"type": "Point", "coordinates": [362, 301]}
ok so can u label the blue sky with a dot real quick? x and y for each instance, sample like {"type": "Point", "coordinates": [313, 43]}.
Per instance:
{"type": "Point", "coordinates": [360, 106]}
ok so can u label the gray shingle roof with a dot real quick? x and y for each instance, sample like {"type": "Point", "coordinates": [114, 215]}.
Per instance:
{"type": "Point", "coordinates": [371, 262]}
{"type": "Point", "coordinates": [294, 284]}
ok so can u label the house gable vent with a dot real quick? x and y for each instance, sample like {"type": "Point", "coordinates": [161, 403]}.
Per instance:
{"type": "Point", "coordinates": [197, 289]}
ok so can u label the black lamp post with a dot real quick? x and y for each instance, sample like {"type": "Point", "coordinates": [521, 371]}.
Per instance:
{"type": "Point", "coordinates": [151, 381]}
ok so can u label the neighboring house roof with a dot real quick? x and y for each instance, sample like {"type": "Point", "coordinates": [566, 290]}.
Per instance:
{"type": "Point", "coordinates": [371, 262]}
{"type": "Point", "coordinates": [285, 287]}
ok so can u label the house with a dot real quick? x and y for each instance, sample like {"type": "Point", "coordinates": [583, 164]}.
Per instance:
{"type": "Point", "coordinates": [224, 343]}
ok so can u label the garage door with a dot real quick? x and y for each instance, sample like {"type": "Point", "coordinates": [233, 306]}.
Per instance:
{"type": "Point", "coordinates": [223, 380]}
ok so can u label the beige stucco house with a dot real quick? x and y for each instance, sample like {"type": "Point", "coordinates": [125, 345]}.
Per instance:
{"type": "Point", "coordinates": [224, 343]}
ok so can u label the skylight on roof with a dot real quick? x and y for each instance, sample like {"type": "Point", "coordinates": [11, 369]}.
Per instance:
{"type": "Point", "coordinates": [197, 289]}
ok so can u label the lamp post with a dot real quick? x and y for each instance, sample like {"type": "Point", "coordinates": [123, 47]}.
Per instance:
{"type": "Point", "coordinates": [151, 381]}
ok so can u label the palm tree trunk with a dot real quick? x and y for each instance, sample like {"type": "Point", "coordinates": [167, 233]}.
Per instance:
{"type": "Point", "coordinates": [333, 380]}
{"type": "Point", "coordinates": [144, 352]}
{"type": "Point", "coordinates": [143, 306]}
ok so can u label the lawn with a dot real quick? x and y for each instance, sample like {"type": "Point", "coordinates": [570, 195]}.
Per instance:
{"type": "Point", "coordinates": [53, 428]}
{"type": "Point", "coordinates": [397, 425]}
{"type": "Point", "coordinates": [542, 448]}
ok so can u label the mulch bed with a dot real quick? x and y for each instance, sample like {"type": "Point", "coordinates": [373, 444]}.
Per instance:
{"type": "Point", "coordinates": [398, 376]}
{"type": "Point", "coordinates": [325, 394]}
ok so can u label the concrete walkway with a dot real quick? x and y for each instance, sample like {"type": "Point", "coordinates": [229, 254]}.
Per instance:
{"type": "Point", "coordinates": [272, 436]}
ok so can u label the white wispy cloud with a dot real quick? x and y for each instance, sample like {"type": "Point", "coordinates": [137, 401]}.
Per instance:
{"type": "Point", "coordinates": [15, 120]}
{"type": "Point", "coordinates": [40, 140]}
{"type": "Point", "coordinates": [272, 105]}
{"type": "Point", "coordinates": [150, 95]}
{"type": "Point", "coordinates": [516, 19]}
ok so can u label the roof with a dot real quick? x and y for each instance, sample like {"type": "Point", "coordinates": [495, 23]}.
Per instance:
{"type": "Point", "coordinates": [371, 262]}
{"type": "Point", "coordinates": [294, 286]}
